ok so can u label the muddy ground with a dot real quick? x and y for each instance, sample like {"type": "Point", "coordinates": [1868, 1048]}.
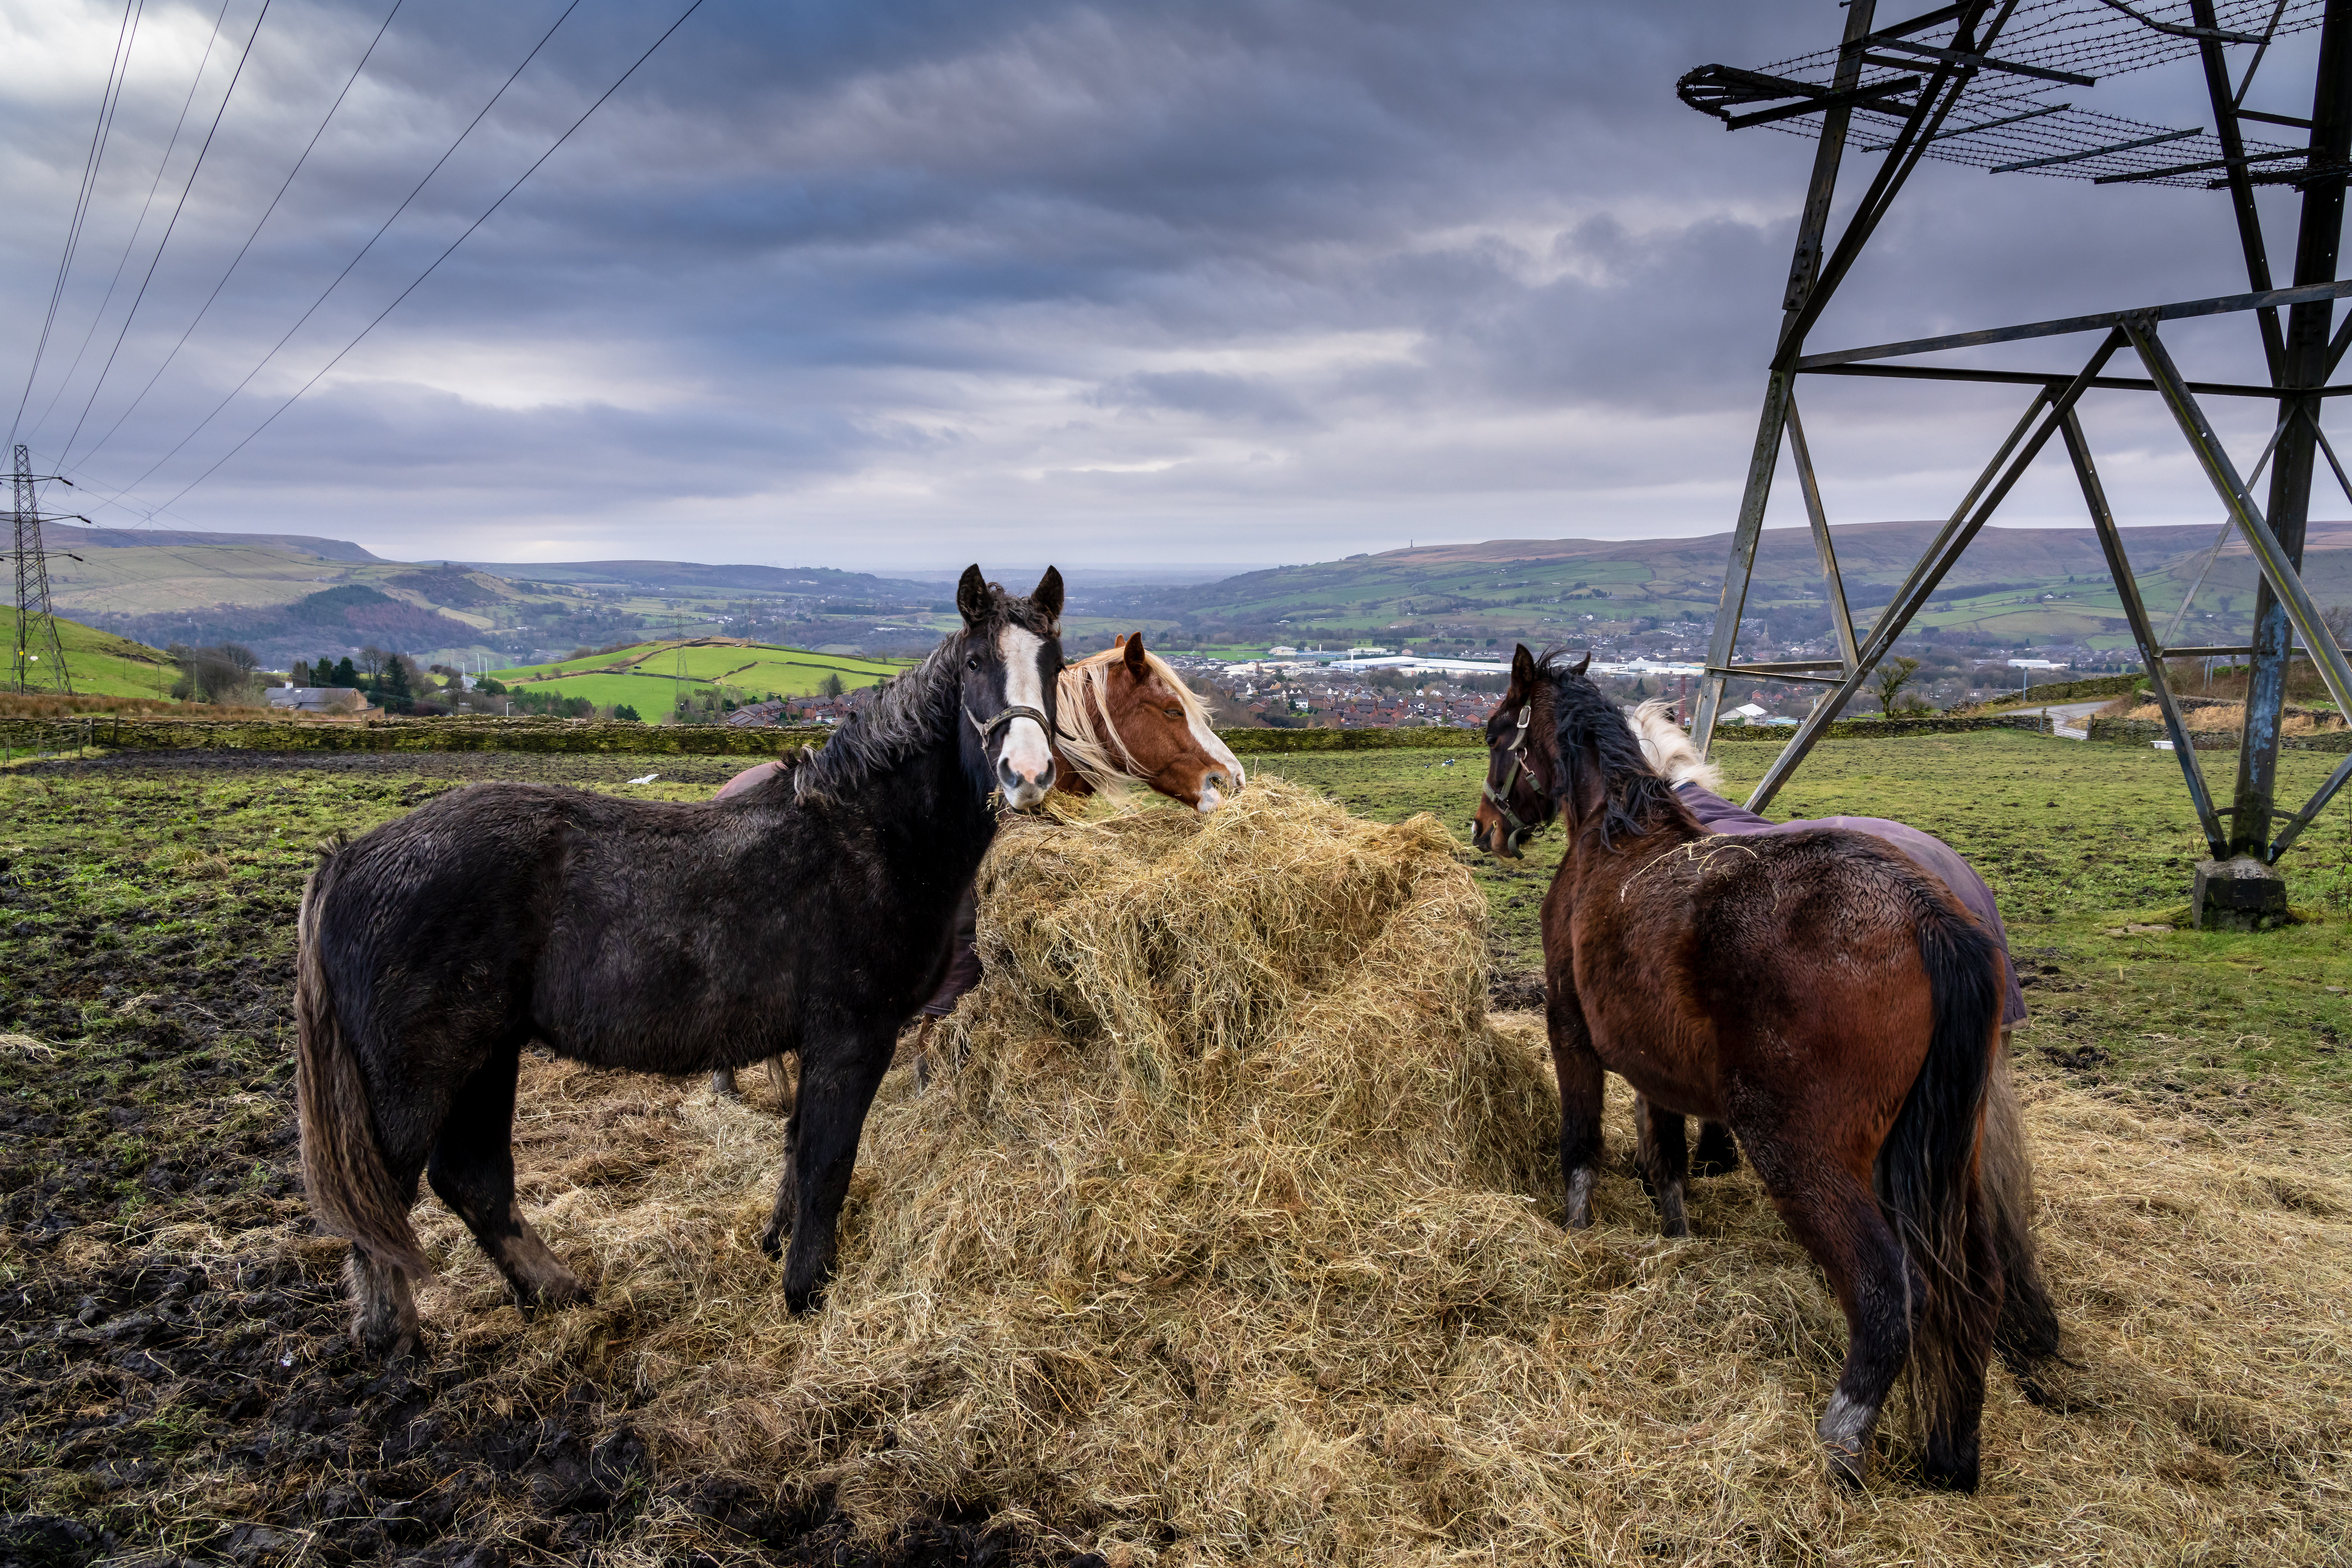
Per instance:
{"type": "Point", "coordinates": [176, 1381]}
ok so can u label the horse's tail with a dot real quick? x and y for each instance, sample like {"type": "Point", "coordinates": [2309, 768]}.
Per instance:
{"type": "Point", "coordinates": [2028, 1334]}
{"type": "Point", "coordinates": [1928, 1172]}
{"type": "Point", "coordinates": [351, 1189]}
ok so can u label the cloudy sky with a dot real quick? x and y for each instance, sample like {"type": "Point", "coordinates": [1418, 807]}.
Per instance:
{"type": "Point", "coordinates": [896, 286]}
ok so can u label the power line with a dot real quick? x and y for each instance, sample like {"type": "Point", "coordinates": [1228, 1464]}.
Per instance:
{"type": "Point", "coordinates": [193, 170]}
{"type": "Point", "coordinates": [131, 244]}
{"type": "Point", "coordinates": [250, 237]}
{"type": "Point", "coordinates": [354, 261]}
{"type": "Point", "coordinates": [543, 157]}
{"type": "Point", "coordinates": [118, 71]}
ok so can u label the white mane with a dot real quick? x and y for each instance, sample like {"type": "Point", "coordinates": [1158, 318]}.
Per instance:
{"type": "Point", "coordinates": [1668, 750]}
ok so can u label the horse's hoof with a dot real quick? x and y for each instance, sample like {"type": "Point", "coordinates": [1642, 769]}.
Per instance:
{"type": "Point", "coordinates": [772, 1242]}
{"type": "Point", "coordinates": [801, 1303]}
{"type": "Point", "coordinates": [554, 1295]}
{"type": "Point", "coordinates": [1850, 1465]}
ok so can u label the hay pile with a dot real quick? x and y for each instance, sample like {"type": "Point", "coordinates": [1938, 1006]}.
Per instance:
{"type": "Point", "coordinates": [1233, 1237]}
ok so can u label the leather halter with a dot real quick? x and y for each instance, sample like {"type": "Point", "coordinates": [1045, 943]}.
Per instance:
{"type": "Point", "coordinates": [1518, 831]}
{"type": "Point", "coordinates": [1001, 720]}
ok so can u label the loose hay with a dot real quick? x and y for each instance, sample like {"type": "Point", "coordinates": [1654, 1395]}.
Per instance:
{"type": "Point", "coordinates": [1229, 1235]}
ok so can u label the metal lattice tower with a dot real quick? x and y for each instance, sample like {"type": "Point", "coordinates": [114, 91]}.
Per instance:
{"type": "Point", "coordinates": [1979, 83]}
{"type": "Point", "coordinates": [37, 660]}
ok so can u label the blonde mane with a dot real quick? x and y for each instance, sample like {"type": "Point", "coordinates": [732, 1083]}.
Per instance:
{"type": "Point", "coordinates": [1087, 741]}
{"type": "Point", "coordinates": [1668, 750]}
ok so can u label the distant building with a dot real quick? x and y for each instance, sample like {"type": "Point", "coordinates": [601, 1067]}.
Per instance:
{"type": "Point", "coordinates": [319, 699]}
{"type": "Point", "coordinates": [757, 715]}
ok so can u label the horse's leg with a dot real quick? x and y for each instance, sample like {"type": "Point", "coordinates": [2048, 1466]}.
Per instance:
{"type": "Point", "coordinates": [1580, 1073]}
{"type": "Point", "coordinates": [837, 1087]}
{"type": "Point", "coordinates": [1832, 1211]}
{"type": "Point", "coordinates": [787, 1204]}
{"type": "Point", "coordinates": [472, 1170]}
{"type": "Point", "coordinates": [1718, 1154]}
{"type": "Point", "coordinates": [781, 1080]}
{"type": "Point", "coordinates": [722, 1083]}
{"type": "Point", "coordinates": [1664, 1155]}
{"type": "Point", "coordinates": [383, 1315]}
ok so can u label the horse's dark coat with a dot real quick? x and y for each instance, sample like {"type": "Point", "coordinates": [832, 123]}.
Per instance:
{"type": "Point", "coordinates": [1927, 851]}
{"type": "Point", "coordinates": [812, 912]}
{"type": "Point", "coordinates": [1821, 994]}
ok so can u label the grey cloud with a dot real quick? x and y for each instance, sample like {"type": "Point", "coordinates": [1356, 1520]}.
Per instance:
{"type": "Point", "coordinates": [1298, 275]}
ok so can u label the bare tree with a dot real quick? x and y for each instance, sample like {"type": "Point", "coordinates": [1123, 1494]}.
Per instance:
{"type": "Point", "coordinates": [2337, 619]}
{"type": "Point", "coordinates": [1891, 679]}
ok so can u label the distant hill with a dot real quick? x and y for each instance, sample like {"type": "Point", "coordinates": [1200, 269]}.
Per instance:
{"type": "Point", "coordinates": [66, 536]}
{"type": "Point", "coordinates": [696, 576]}
{"type": "Point", "coordinates": [2013, 585]}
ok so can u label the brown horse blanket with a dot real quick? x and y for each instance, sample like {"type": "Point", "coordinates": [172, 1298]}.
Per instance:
{"type": "Point", "coordinates": [963, 969]}
{"type": "Point", "coordinates": [1924, 850]}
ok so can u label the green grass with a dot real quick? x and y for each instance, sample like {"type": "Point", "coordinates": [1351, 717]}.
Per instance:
{"type": "Point", "coordinates": [643, 671]}
{"type": "Point", "coordinates": [2076, 840]}
{"type": "Point", "coordinates": [104, 665]}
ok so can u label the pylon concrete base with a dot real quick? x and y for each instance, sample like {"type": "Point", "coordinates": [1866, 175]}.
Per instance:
{"type": "Point", "coordinates": [2239, 894]}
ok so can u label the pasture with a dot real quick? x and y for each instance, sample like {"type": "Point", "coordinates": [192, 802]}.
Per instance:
{"type": "Point", "coordinates": [1307, 1328]}
{"type": "Point", "coordinates": [646, 675]}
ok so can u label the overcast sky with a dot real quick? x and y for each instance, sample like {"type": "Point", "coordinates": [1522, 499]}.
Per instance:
{"type": "Point", "coordinates": [895, 286]}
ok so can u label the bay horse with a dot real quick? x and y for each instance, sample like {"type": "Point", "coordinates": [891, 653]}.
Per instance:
{"type": "Point", "coordinates": [1124, 715]}
{"type": "Point", "coordinates": [810, 914]}
{"type": "Point", "coordinates": [1820, 994]}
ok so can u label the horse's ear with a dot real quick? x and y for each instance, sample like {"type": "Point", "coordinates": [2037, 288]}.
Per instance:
{"type": "Point", "coordinates": [1047, 594]}
{"type": "Point", "coordinates": [1133, 644]}
{"type": "Point", "coordinates": [1522, 665]}
{"type": "Point", "coordinates": [972, 596]}
{"type": "Point", "coordinates": [1582, 664]}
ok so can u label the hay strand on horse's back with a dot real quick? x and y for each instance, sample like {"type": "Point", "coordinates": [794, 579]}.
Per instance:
{"type": "Point", "coordinates": [1233, 1238]}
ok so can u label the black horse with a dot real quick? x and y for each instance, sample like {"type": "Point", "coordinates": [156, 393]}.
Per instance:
{"type": "Point", "coordinates": [813, 914]}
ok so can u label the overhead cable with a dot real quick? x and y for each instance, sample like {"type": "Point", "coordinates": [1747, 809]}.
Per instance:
{"type": "Point", "coordinates": [161, 167]}
{"type": "Point", "coordinates": [117, 72]}
{"type": "Point", "coordinates": [543, 157]}
{"type": "Point", "coordinates": [251, 237]}
{"type": "Point", "coordinates": [446, 155]}
{"type": "Point", "coordinates": [193, 170]}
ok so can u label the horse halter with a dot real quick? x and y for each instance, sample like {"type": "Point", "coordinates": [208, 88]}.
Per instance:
{"type": "Point", "coordinates": [1516, 832]}
{"type": "Point", "coordinates": [1001, 720]}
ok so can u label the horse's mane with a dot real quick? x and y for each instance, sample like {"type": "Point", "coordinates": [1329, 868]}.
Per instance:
{"type": "Point", "coordinates": [1592, 729]}
{"type": "Point", "coordinates": [1669, 749]}
{"type": "Point", "coordinates": [908, 712]}
{"type": "Point", "coordinates": [1092, 744]}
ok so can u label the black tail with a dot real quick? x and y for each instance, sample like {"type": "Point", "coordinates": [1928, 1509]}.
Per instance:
{"type": "Point", "coordinates": [1927, 1178]}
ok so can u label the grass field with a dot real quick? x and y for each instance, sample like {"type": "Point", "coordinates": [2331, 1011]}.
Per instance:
{"type": "Point", "coordinates": [177, 1379]}
{"type": "Point", "coordinates": [644, 674]}
{"type": "Point", "coordinates": [104, 665]}
{"type": "Point", "coordinates": [2076, 840]}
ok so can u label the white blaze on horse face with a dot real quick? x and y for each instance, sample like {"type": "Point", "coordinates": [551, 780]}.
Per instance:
{"type": "Point", "coordinates": [1027, 750]}
{"type": "Point", "coordinates": [1206, 739]}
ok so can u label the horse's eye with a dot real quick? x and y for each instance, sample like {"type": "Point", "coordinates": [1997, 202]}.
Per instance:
{"type": "Point", "coordinates": [1175, 712]}
{"type": "Point", "coordinates": [972, 662]}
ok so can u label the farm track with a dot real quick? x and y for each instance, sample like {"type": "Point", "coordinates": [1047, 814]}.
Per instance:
{"type": "Point", "coordinates": [177, 1383]}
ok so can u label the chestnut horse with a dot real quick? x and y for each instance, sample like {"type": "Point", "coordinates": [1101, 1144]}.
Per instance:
{"type": "Point", "coordinates": [1816, 992]}
{"type": "Point", "coordinates": [812, 913]}
{"type": "Point", "coordinates": [1124, 715]}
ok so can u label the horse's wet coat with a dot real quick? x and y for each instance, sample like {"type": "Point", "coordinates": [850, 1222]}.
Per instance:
{"type": "Point", "coordinates": [812, 913]}
{"type": "Point", "coordinates": [1924, 850]}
